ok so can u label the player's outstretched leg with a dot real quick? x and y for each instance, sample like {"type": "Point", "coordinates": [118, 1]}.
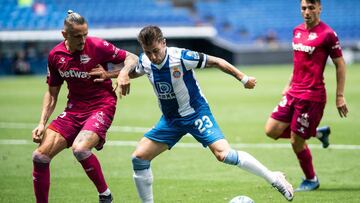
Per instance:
{"type": "Point", "coordinates": [283, 186]}
{"type": "Point", "coordinates": [143, 179]}
{"type": "Point", "coordinates": [323, 133]}
{"type": "Point", "coordinates": [247, 162]}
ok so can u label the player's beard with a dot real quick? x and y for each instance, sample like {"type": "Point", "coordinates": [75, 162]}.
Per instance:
{"type": "Point", "coordinates": [81, 46]}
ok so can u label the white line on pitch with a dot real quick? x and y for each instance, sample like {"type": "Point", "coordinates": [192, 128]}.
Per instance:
{"type": "Point", "coordinates": [195, 145]}
{"type": "Point", "coordinates": [127, 129]}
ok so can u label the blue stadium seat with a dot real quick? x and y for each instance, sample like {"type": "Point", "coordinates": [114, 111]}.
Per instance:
{"type": "Point", "coordinates": [255, 17]}
{"type": "Point", "coordinates": [125, 13]}
{"type": "Point", "coordinates": [259, 16]}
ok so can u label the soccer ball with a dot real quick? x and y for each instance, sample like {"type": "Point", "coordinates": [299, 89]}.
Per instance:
{"type": "Point", "coordinates": [241, 199]}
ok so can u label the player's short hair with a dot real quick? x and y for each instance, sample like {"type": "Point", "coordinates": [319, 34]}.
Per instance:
{"type": "Point", "coordinates": [313, 1]}
{"type": "Point", "coordinates": [149, 34]}
{"type": "Point", "coordinates": [73, 18]}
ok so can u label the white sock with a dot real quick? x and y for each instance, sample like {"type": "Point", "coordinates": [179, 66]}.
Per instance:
{"type": "Point", "coordinates": [143, 181]}
{"type": "Point", "coordinates": [106, 193]}
{"type": "Point", "coordinates": [250, 164]}
{"type": "Point", "coordinates": [313, 180]}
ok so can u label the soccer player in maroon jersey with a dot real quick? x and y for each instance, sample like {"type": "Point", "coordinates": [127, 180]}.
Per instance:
{"type": "Point", "coordinates": [298, 114]}
{"type": "Point", "coordinates": [90, 107]}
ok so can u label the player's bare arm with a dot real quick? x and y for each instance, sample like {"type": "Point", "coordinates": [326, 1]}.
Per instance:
{"type": "Point", "coordinates": [101, 74]}
{"type": "Point", "coordinates": [120, 71]}
{"type": "Point", "coordinates": [249, 82]}
{"type": "Point", "coordinates": [49, 103]}
{"type": "Point", "coordinates": [340, 86]}
{"type": "Point", "coordinates": [123, 79]}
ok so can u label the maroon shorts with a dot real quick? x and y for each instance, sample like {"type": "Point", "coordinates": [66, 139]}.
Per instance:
{"type": "Point", "coordinates": [70, 122]}
{"type": "Point", "coordinates": [304, 116]}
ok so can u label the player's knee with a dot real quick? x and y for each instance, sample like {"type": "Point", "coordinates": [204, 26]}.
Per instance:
{"type": "Point", "coordinates": [40, 157]}
{"type": "Point", "coordinates": [231, 158]}
{"type": "Point", "coordinates": [271, 132]}
{"type": "Point", "coordinates": [221, 155]}
{"type": "Point", "coordinates": [81, 154]}
{"type": "Point", "coordinates": [140, 164]}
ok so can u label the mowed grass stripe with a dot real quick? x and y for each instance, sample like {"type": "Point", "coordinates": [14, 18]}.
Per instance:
{"type": "Point", "coordinates": [197, 145]}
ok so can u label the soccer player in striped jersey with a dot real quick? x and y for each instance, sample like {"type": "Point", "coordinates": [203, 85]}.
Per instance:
{"type": "Point", "coordinates": [184, 108]}
{"type": "Point", "coordinates": [299, 113]}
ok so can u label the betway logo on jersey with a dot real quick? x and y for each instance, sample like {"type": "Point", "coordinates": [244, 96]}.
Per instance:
{"type": "Point", "coordinates": [74, 74]}
{"type": "Point", "coordinates": [304, 48]}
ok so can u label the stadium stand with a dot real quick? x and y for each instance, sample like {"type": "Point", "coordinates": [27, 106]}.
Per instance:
{"type": "Point", "coordinates": [48, 14]}
{"type": "Point", "coordinates": [248, 21]}
{"type": "Point", "coordinates": [241, 21]}
{"type": "Point", "coordinates": [238, 23]}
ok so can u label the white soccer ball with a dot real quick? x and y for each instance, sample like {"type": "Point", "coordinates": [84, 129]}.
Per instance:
{"type": "Point", "coordinates": [241, 199]}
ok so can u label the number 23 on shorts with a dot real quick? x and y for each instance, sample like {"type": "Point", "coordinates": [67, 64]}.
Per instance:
{"type": "Point", "coordinates": [203, 123]}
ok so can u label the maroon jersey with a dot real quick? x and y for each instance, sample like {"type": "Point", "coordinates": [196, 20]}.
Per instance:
{"type": "Point", "coordinates": [311, 50]}
{"type": "Point", "coordinates": [74, 68]}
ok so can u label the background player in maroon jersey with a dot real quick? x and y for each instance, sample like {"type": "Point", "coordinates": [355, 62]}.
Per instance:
{"type": "Point", "coordinates": [299, 113]}
{"type": "Point", "coordinates": [90, 107]}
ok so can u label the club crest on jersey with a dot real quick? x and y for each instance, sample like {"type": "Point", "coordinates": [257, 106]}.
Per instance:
{"type": "Point", "coordinates": [176, 72]}
{"type": "Point", "coordinates": [84, 59]}
{"type": "Point", "coordinates": [312, 36]}
{"type": "Point", "coordinates": [298, 35]}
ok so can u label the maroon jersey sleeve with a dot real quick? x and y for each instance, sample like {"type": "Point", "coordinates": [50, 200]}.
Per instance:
{"type": "Point", "coordinates": [110, 53]}
{"type": "Point", "coordinates": [53, 75]}
{"type": "Point", "coordinates": [334, 45]}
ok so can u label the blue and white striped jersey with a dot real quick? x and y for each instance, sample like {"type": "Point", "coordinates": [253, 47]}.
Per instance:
{"type": "Point", "coordinates": [174, 81]}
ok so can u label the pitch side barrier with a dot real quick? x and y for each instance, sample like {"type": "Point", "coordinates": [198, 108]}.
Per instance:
{"type": "Point", "coordinates": [201, 38]}
{"type": "Point", "coordinates": [108, 34]}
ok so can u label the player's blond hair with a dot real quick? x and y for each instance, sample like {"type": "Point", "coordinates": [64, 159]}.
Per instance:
{"type": "Point", "coordinates": [73, 18]}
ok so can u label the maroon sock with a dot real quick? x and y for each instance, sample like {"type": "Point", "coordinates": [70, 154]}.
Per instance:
{"type": "Point", "coordinates": [305, 160]}
{"type": "Point", "coordinates": [92, 168]}
{"type": "Point", "coordinates": [41, 180]}
{"type": "Point", "coordinates": [286, 133]}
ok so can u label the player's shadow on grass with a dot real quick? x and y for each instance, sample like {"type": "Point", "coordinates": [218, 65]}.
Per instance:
{"type": "Point", "coordinates": [345, 189]}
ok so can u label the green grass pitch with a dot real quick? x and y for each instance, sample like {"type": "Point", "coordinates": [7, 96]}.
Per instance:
{"type": "Point", "coordinates": [189, 175]}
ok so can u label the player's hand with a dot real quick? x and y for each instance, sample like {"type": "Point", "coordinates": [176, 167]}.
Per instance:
{"type": "Point", "coordinates": [38, 132]}
{"type": "Point", "coordinates": [250, 83]}
{"type": "Point", "coordinates": [99, 73]}
{"type": "Point", "coordinates": [341, 106]}
{"type": "Point", "coordinates": [123, 82]}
